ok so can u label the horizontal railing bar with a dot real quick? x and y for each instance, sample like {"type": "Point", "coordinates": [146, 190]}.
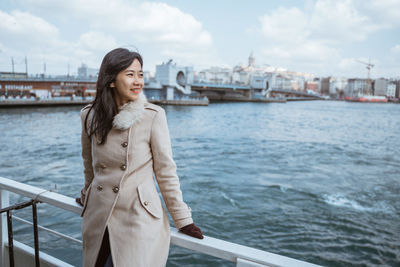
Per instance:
{"type": "Point", "coordinates": [245, 263]}
{"type": "Point", "coordinates": [17, 206]}
{"type": "Point", "coordinates": [231, 251]}
{"type": "Point", "coordinates": [45, 259]}
{"type": "Point", "coordinates": [49, 230]}
{"type": "Point", "coordinates": [39, 194]}
{"type": "Point", "coordinates": [210, 246]}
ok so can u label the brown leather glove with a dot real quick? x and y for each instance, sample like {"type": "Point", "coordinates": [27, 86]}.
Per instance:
{"type": "Point", "coordinates": [192, 230]}
{"type": "Point", "coordinates": [79, 201]}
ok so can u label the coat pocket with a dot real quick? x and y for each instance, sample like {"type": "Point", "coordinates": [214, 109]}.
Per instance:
{"type": "Point", "coordinates": [86, 199]}
{"type": "Point", "coordinates": [149, 199]}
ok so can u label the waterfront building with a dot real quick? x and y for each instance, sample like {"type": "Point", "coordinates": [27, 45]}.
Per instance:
{"type": "Point", "coordinates": [46, 87]}
{"type": "Point", "coordinates": [391, 90]}
{"type": "Point", "coordinates": [380, 87]}
{"type": "Point", "coordinates": [171, 82]}
{"type": "Point", "coordinates": [337, 87]}
{"type": "Point", "coordinates": [85, 72]}
{"type": "Point", "coordinates": [13, 75]}
{"type": "Point", "coordinates": [298, 83]}
{"type": "Point", "coordinates": [244, 77]}
{"type": "Point", "coordinates": [235, 78]}
{"type": "Point", "coordinates": [312, 86]}
{"type": "Point", "coordinates": [356, 87]}
{"type": "Point", "coordinates": [282, 81]}
{"type": "Point", "coordinates": [148, 76]}
{"type": "Point", "coordinates": [214, 75]}
{"type": "Point", "coordinates": [259, 78]}
{"type": "Point", "coordinates": [325, 86]}
{"type": "Point", "coordinates": [262, 81]}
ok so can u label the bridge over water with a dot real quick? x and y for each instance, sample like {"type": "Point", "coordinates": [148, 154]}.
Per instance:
{"type": "Point", "coordinates": [234, 92]}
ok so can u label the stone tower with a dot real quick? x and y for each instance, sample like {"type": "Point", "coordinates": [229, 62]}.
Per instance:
{"type": "Point", "coordinates": [252, 60]}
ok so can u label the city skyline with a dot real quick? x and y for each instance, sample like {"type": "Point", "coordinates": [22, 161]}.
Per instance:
{"type": "Point", "coordinates": [326, 38]}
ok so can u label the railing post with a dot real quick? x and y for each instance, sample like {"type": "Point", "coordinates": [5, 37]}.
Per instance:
{"type": "Point", "coordinates": [4, 202]}
{"type": "Point", "coordinates": [35, 233]}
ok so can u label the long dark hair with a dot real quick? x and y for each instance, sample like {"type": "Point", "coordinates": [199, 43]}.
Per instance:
{"type": "Point", "coordinates": [104, 106]}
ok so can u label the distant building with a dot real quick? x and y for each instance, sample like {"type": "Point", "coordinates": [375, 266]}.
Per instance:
{"type": "Point", "coordinates": [391, 90]}
{"type": "Point", "coordinates": [312, 86]}
{"type": "Point", "coordinates": [283, 82]}
{"type": "Point", "coordinates": [259, 82]}
{"type": "Point", "coordinates": [356, 87]}
{"type": "Point", "coordinates": [325, 86]}
{"type": "Point", "coordinates": [264, 78]}
{"type": "Point", "coordinates": [13, 75]}
{"type": "Point", "coordinates": [172, 82]}
{"type": "Point", "coordinates": [397, 88]}
{"type": "Point", "coordinates": [85, 72]}
{"type": "Point", "coordinates": [337, 87]}
{"type": "Point", "coordinates": [298, 83]}
{"type": "Point", "coordinates": [244, 77]}
{"type": "Point", "coordinates": [380, 87]}
{"type": "Point", "coordinates": [252, 60]}
{"type": "Point", "coordinates": [214, 75]}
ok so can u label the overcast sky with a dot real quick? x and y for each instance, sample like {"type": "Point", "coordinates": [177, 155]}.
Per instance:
{"type": "Point", "coordinates": [324, 37]}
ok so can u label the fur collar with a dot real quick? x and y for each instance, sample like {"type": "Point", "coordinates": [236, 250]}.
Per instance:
{"type": "Point", "coordinates": [130, 113]}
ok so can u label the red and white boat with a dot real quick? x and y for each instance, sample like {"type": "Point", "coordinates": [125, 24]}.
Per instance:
{"type": "Point", "coordinates": [367, 98]}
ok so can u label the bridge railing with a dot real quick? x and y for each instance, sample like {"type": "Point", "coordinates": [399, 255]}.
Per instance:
{"type": "Point", "coordinates": [243, 256]}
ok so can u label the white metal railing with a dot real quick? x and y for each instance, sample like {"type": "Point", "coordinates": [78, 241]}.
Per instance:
{"type": "Point", "coordinates": [243, 256]}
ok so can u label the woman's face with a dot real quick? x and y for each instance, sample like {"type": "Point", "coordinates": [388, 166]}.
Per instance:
{"type": "Point", "coordinates": [128, 83]}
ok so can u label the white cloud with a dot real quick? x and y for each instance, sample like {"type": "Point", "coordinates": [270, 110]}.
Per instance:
{"type": "Point", "coordinates": [340, 21]}
{"type": "Point", "coordinates": [356, 67]}
{"type": "Point", "coordinates": [285, 25]}
{"type": "Point", "coordinates": [383, 11]}
{"type": "Point", "coordinates": [348, 65]}
{"type": "Point", "coordinates": [26, 35]}
{"type": "Point", "coordinates": [97, 41]}
{"type": "Point", "coordinates": [21, 28]}
{"type": "Point", "coordinates": [395, 49]}
{"type": "Point", "coordinates": [132, 21]}
{"type": "Point", "coordinates": [22, 22]}
{"type": "Point", "coordinates": [312, 39]}
{"type": "Point", "coordinates": [88, 29]}
{"type": "Point", "coordinates": [333, 21]}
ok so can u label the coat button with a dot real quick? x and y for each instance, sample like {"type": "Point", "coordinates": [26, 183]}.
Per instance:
{"type": "Point", "coordinates": [116, 189]}
{"type": "Point", "coordinates": [123, 167]}
{"type": "Point", "coordinates": [146, 203]}
{"type": "Point", "coordinates": [124, 144]}
{"type": "Point", "coordinates": [99, 187]}
{"type": "Point", "coordinates": [103, 166]}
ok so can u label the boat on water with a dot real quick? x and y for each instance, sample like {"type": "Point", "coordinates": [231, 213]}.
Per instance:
{"type": "Point", "coordinates": [367, 98]}
{"type": "Point", "coordinates": [16, 253]}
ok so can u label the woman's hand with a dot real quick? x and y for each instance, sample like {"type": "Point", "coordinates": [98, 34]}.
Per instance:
{"type": "Point", "coordinates": [79, 201]}
{"type": "Point", "coordinates": [192, 230]}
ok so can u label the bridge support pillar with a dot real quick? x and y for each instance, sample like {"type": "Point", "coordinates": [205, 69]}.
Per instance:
{"type": "Point", "coordinates": [170, 93]}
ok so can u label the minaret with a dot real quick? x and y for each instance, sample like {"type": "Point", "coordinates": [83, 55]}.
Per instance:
{"type": "Point", "coordinates": [252, 60]}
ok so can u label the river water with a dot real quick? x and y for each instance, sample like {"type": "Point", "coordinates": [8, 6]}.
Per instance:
{"type": "Point", "coordinates": [318, 181]}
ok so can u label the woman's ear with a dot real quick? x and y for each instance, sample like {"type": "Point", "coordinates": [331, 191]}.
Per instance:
{"type": "Point", "coordinates": [112, 85]}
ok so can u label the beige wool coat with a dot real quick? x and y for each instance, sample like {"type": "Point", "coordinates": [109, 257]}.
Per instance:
{"type": "Point", "coordinates": [120, 192]}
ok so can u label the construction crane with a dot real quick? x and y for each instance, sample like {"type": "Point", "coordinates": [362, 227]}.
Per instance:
{"type": "Point", "coordinates": [369, 66]}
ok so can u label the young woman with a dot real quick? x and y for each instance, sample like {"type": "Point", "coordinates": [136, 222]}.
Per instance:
{"type": "Point", "coordinates": [125, 140]}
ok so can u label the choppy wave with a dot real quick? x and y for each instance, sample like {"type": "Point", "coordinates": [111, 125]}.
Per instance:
{"type": "Point", "coordinates": [340, 200]}
{"type": "Point", "coordinates": [231, 200]}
